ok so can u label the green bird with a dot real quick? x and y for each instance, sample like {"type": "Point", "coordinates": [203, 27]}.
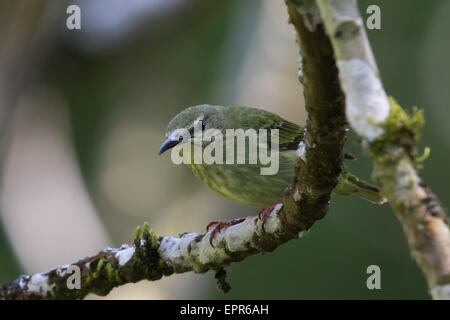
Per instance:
{"type": "Point", "coordinates": [243, 182]}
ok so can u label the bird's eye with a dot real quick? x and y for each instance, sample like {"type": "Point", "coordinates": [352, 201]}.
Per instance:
{"type": "Point", "coordinates": [180, 139]}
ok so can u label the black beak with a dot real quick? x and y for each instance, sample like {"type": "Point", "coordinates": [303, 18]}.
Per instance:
{"type": "Point", "coordinates": [168, 144]}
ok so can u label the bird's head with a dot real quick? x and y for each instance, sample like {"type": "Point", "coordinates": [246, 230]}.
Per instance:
{"type": "Point", "coordinates": [190, 124]}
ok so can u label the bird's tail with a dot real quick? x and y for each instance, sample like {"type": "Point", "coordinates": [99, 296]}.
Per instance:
{"type": "Point", "coordinates": [350, 184]}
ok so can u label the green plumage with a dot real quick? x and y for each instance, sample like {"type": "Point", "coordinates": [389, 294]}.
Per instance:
{"type": "Point", "coordinates": [243, 182]}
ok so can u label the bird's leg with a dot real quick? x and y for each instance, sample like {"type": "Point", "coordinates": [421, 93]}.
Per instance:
{"type": "Point", "coordinates": [264, 213]}
{"type": "Point", "coordinates": [219, 225]}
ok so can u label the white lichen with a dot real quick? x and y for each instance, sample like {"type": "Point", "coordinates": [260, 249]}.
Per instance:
{"type": "Point", "coordinates": [303, 233]}
{"type": "Point", "coordinates": [300, 65]}
{"type": "Point", "coordinates": [441, 292]}
{"type": "Point", "coordinates": [297, 196]}
{"type": "Point", "coordinates": [124, 254]}
{"type": "Point", "coordinates": [22, 281]}
{"type": "Point", "coordinates": [177, 251]}
{"type": "Point", "coordinates": [193, 251]}
{"type": "Point", "coordinates": [62, 270]}
{"type": "Point", "coordinates": [273, 223]}
{"type": "Point", "coordinates": [238, 235]}
{"type": "Point", "coordinates": [301, 151]}
{"type": "Point", "coordinates": [38, 284]}
{"type": "Point", "coordinates": [366, 101]}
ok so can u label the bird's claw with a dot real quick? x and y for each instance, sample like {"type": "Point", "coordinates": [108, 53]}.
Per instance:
{"type": "Point", "coordinates": [264, 213]}
{"type": "Point", "coordinates": [219, 225]}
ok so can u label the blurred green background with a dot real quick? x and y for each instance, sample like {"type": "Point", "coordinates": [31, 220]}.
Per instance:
{"type": "Point", "coordinates": [83, 113]}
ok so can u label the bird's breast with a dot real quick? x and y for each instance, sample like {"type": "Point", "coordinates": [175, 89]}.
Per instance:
{"type": "Point", "coordinates": [244, 183]}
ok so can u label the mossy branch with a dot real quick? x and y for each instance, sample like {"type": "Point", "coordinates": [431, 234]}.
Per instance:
{"type": "Point", "coordinates": [98, 274]}
{"type": "Point", "coordinates": [150, 258]}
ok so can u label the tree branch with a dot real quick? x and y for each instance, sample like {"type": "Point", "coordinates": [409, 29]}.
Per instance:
{"type": "Point", "coordinates": [325, 128]}
{"type": "Point", "coordinates": [150, 258]}
{"type": "Point", "coordinates": [391, 137]}
{"type": "Point", "coordinates": [305, 201]}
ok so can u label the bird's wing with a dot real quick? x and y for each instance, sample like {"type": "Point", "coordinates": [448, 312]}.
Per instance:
{"type": "Point", "coordinates": [289, 133]}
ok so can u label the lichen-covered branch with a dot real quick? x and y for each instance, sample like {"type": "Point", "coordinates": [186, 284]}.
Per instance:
{"type": "Point", "coordinates": [151, 258]}
{"type": "Point", "coordinates": [391, 137]}
{"type": "Point", "coordinates": [97, 274]}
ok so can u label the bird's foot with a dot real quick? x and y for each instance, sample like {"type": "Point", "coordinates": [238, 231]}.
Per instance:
{"type": "Point", "coordinates": [264, 213]}
{"type": "Point", "coordinates": [219, 225]}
